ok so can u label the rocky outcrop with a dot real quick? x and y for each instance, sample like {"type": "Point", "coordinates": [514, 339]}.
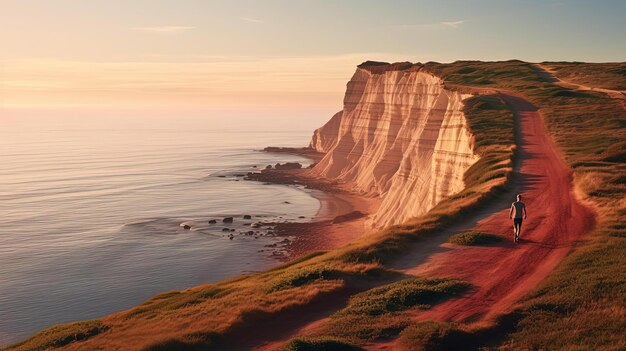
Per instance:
{"type": "Point", "coordinates": [400, 136]}
{"type": "Point", "coordinates": [324, 138]}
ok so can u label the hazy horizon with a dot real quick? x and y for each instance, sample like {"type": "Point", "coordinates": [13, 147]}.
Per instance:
{"type": "Point", "coordinates": [278, 58]}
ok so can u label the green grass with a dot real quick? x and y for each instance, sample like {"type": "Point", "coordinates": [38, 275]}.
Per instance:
{"type": "Point", "coordinates": [581, 305]}
{"type": "Point", "coordinates": [378, 313]}
{"type": "Point", "coordinates": [61, 335]}
{"type": "Point", "coordinates": [174, 300]}
{"type": "Point", "coordinates": [430, 336]}
{"type": "Point", "coordinates": [303, 276]}
{"type": "Point", "coordinates": [474, 238]}
{"type": "Point", "coordinates": [601, 75]}
{"type": "Point", "coordinates": [319, 344]}
{"type": "Point", "coordinates": [402, 295]}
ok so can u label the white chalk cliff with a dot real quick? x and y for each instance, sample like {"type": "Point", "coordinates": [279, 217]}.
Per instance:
{"type": "Point", "coordinates": [400, 136]}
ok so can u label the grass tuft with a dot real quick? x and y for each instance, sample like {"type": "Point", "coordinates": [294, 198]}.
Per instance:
{"type": "Point", "coordinates": [474, 238]}
{"type": "Point", "coordinates": [303, 276]}
{"type": "Point", "coordinates": [430, 336]}
{"type": "Point", "coordinates": [402, 295]}
{"type": "Point", "coordinates": [61, 335]}
{"type": "Point", "coordinates": [378, 313]}
{"type": "Point", "coordinates": [319, 344]}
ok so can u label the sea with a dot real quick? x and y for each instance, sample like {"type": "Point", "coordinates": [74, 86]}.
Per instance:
{"type": "Point", "coordinates": [93, 208]}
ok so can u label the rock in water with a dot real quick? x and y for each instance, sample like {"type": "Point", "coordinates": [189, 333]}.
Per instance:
{"type": "Point", "coordinates": [228, 220]}
{"type": "Point", "coordinates": [247, 217]}
{"type": "Point", "coordinates": [288, 165]}
{"type": "Point", "coordinates": [187, 226]}
{"type": "Point", "coordinates": [212, 221]}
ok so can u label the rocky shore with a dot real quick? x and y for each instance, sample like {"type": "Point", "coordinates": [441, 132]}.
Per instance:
{"type": "Point", "coordinates": [341, 217]}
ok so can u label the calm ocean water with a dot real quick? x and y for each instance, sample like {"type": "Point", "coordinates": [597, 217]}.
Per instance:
{"type": "Point", "coordinates": [90, 211]}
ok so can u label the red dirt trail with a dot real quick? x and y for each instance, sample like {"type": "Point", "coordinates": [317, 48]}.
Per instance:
{"type": "Point", "coordinates": [548, 74]}
{"type": "Point", "coordinates": [504, 273]}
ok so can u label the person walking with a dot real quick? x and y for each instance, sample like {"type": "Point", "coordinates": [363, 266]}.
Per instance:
{"type": "Point", "coordinates": [517, 213]}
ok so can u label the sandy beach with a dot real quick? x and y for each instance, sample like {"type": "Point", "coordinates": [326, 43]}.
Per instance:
{"type": "Point", "coordinates": [340, 220]}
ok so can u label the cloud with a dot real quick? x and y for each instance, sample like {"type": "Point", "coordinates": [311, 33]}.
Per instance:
{"type": "Point", "coordinates": [455, 24]}
{"type": "Point", "coordinates": [253, 20]}
{"type": "Point", "coordinates": [430, 26]}
{"type": "Point", "coordinates": [163, 29]}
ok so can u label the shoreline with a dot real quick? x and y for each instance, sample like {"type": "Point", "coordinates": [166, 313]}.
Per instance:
{"type": "Point", "coordinates": [340, 220]}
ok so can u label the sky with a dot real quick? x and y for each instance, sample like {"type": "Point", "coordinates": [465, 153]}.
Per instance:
{"type": "Point", "coordinates": [268, 57]}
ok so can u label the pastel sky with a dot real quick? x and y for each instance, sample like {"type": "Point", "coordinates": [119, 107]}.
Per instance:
{"type": "Point", "coordinates": [269, 55]}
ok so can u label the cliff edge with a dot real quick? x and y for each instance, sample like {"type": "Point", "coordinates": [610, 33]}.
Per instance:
{"type": "Point", "coordinates": [400, 136]}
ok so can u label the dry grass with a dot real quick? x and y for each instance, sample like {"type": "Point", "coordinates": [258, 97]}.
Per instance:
{"type": "Point", "coordinates": [474, 238]}
{"type": "Point", "coordinates": [601, 75]}
{"type": "Point", "coordinates": [429, 336]}
{"type": "Point", "coordinates": [319, 344]}
{"type": "Point", "coordinates": [590, 128]}
{"type": "Point", "coordinates": [378, 313]}
{"type": "Point", "coordinates": [62, 335]}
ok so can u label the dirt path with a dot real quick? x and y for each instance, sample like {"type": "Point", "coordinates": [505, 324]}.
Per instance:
{"type": "Point", "coordinates": [549, 75]}
{"type": "Point", "coordinates": [504, 273]}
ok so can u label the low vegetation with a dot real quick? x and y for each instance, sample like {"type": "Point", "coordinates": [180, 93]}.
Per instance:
{"type": "Point", "coordinates": [378, 313]}
{"type": "Point", "coordinates": [303, 276]}
{"type": "Point", "coordinates": [319, 344]}
{"type": "Point", "coordinates": [601, 75]}
{"type": "Point", "coordinates": [472, 238]}
{"type": "Point", "coordinates": [582, 305]}
{"type": "Point", "coordinates": [430, 336]}
{"type": "Point", "coordinates": [61, 335]}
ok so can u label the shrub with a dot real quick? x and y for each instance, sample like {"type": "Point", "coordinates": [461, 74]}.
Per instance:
{"type": "Point", "coordinates": [429, 336]}
{"type": "Point", "coordinates": [472, 238]}
{"type": "Point", "coordinates": [319, 344]}
{"type": "Point", "coordinates": [303, 276]}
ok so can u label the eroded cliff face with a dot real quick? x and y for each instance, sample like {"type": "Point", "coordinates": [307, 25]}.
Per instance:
{"type": "Point", "coordinates": [400, 136]}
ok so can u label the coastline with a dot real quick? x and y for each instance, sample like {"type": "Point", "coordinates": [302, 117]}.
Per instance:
{"type": "Point", "coordinates": [340, 220]}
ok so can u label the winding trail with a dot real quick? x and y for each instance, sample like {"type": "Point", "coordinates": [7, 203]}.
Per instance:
{"type": "Point", "coordinates": [504, 273]}
{"type": "Point", "coordinates": [549, 75]}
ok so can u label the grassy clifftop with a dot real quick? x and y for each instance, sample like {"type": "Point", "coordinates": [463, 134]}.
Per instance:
{"type": "Point", "coordinates": [581, 305]}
